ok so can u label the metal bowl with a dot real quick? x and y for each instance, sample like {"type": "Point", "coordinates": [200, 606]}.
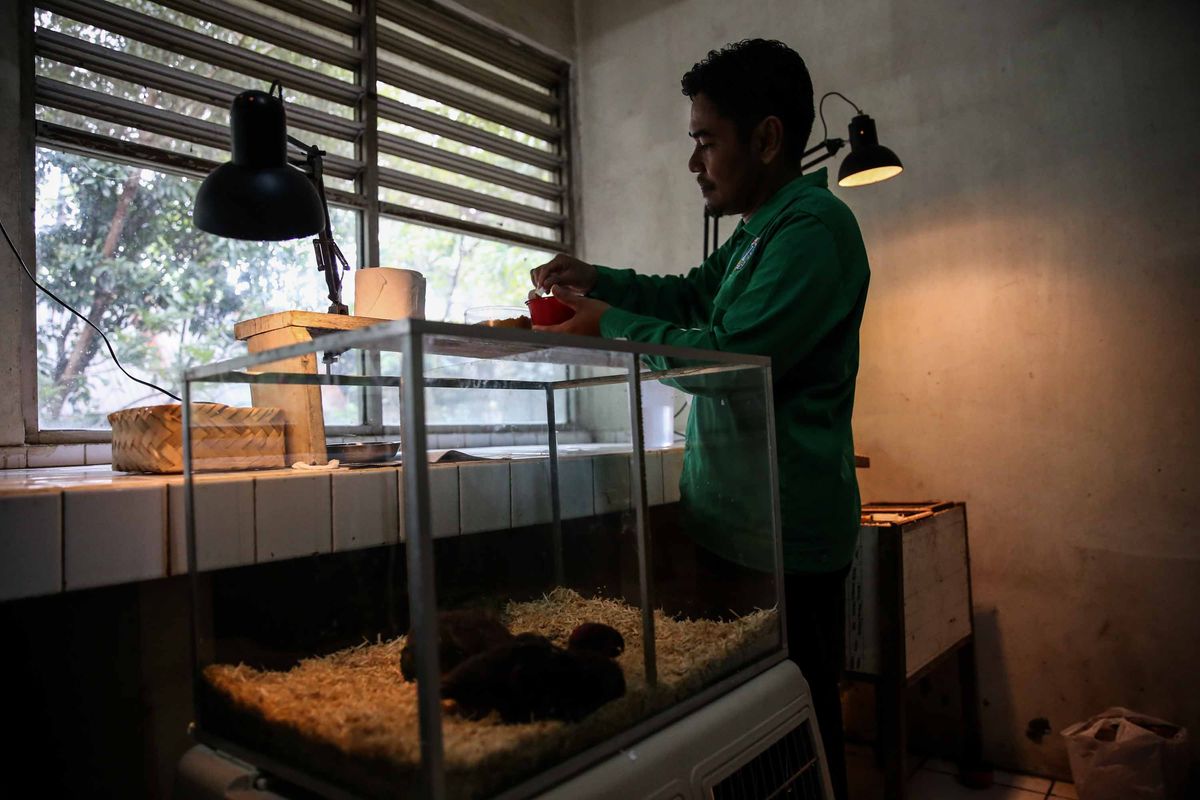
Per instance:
{"type": "Point", "coordinates": [362, 452]}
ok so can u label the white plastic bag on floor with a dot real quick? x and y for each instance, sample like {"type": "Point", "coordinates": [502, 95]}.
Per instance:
{"type": "Point", "coordinates": [1123, 755]}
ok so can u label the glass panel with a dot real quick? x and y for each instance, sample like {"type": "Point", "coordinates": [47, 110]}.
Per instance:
{"type": "Point", "coordinates": [307, 654]}
{"type": "Point", "coordinates": [117, 242]}
{"type": "Point", "coordinates": [462, 271]}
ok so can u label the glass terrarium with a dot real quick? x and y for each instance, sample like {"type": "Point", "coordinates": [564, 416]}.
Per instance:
{"type": "Point", "coordinates": [518, 565]}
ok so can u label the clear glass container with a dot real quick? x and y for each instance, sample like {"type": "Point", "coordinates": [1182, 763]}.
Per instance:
{"type": "Point", "coordinates": [471, 616]}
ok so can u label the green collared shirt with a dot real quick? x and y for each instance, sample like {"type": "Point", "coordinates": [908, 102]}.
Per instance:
{"type": "Point", "coordinates": [790, 283]}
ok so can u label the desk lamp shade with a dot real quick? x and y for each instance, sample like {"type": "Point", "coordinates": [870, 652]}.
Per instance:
{"type": "Point", "coordinates": [258, 195]}
{"type": "Point", "coordinates": [868, 161]}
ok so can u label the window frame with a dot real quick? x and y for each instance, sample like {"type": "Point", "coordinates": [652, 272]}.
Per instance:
{"type": "Point", "coordinates": [474, 37]}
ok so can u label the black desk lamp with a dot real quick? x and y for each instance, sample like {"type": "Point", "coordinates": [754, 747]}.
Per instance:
{"type": "Point", "coordinates": [261, 196]}
{"type": "Point", "coordinates": [868, 161]}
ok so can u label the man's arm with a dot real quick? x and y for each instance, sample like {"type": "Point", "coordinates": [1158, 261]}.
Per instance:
{"type": "Point", "coordinates": [795, 296]}
{"type": "Point", "coordinates": [684, 300]}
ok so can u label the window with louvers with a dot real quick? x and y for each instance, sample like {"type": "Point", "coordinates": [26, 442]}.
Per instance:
{"type": "Point", "coordinates": [447, 153]}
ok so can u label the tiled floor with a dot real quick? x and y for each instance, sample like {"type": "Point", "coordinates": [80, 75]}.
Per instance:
{"type": "Point", "coordinates": [935, 780]}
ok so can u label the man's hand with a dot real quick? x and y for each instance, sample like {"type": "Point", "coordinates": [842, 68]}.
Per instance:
{"type": "Point", "coordinates": [565, 271]}
{"type": "Point", "coordinates": [588, 311]}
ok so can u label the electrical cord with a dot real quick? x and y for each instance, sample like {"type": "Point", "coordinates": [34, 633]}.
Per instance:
{"type": "Point", "coordinates": [68, 307]}
{"type": "Point", "coordinates": [821, 110]}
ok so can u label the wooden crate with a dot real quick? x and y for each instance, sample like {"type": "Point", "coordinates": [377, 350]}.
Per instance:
{"type": "Point", "coordinates": [908, 609]}
{"type": "Point", "coordinates": [931, 543]}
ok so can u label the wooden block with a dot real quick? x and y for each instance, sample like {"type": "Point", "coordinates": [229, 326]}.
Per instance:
{"type": "Point", "coordinates": [311, 320]}
{"type": "Point", "coordinates": [305, 421]}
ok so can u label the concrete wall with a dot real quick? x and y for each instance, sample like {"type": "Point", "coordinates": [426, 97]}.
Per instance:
{"type": "Point", "coordinates": [547, 24]}
{"type": "Point", "coordinates": [1032, 338]}
{"type": "Point", "coordinates": [16, 170]}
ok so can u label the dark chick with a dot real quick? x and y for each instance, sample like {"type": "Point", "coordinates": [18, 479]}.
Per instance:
{"type": "Point", "coordinates": [598, 638]}
{"type": "Point", "coordinates": [462, 633]}
{"type": "Point", "coordinates": [529, 678]}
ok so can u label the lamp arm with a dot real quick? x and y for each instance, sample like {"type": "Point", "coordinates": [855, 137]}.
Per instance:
{"type": "Point", "coordinates": [830, 146]}
{"type": "Point", "coordinates": [329, 256]}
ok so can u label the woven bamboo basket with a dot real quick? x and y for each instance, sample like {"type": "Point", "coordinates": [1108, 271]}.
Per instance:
{"type": "Point", "coordinates": [150, 438]}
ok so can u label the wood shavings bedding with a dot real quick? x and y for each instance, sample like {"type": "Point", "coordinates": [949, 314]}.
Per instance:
{"type": "Point", "coordinates": [351, 716]}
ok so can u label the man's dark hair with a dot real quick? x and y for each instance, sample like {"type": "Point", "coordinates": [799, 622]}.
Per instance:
{"type": "Point", "coordinates": [753, 79]}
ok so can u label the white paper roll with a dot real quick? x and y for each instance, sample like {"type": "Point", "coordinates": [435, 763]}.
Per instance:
{"type": "Point", "coordinates": [389, 293]}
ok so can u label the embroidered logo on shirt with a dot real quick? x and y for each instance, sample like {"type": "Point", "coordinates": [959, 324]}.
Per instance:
{"type": "Point", "coordinates": [746, 255]}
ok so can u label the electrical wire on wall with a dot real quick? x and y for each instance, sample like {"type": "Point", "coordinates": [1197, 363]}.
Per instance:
{"type": "Point", "coordinates": [68, 307]}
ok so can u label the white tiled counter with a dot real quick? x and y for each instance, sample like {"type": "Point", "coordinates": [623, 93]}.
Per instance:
{"type": "Point", "coordinates": [78, 527]}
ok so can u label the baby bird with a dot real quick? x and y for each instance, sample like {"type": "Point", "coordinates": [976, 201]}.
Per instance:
{"type": "Point", "coordinates": [598, 638]}
{"type": "Point", "coordinates": [462, 633]}
{"type": "Point", "coordinates": [530, 678]}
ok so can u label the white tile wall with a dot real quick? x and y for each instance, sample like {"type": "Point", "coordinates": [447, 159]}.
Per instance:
{"type": "Point", "coordinates": [365, 508]}
{"type": "Point", "coordinates": [292, 516]}
{"type": "Point", "coordinates": [485, 502]}
{"type": "Point", "coordinates": [672, 470]}
{"type": "Point", "coordinates": [54, 455]}
{"type": "Point", "coordinates": [114, 535]}
{"type": "Point", "coordinates": [114, 528]}
{"type": "Point", "coordinates": [224, 523]}
{"type": "Point", "coordinates": [97, 453]}
{"type": "Point", "coordinates": [654, 477]}
{"type": "Point", "coordinates": [12, 458]}
{"type": "Point", "coordinates": [611, 479]}
{"type": "Point", "coordinates": [443, 500]}
{"type": "Point", "coordinates": [530, 493]}
{"type": "Point", "coordinates": [577, 495]}
{"type": "Point", "coordinates": [476, 439]}
{"type": "Point", "coordinates": [30, 544]}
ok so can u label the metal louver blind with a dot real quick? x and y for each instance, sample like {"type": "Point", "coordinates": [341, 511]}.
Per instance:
{"type": "Point", "coordinates": [151, 83]}
{"type": "Point", "coordinates": [469, 132]}
{"type": "Point", "coordinates": [472, 128]}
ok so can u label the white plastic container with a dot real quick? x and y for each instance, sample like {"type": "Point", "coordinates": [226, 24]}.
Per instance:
{"type": "Point", "coordinates": [658, 414]}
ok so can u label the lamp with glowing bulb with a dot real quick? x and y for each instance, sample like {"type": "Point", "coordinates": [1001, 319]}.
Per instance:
{"type": "Point", "coordinates": [868, 161]}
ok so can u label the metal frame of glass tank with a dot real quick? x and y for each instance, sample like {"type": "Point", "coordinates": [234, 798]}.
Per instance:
{"type": "Point", "coordinates": [408, 337]}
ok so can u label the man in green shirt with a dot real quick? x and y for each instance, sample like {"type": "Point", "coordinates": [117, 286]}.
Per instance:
{"type": "Point", "coordinates": [789, 283]}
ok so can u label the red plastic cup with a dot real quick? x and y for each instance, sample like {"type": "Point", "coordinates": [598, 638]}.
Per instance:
{"type": "Point", "coordinates": [548, 310]}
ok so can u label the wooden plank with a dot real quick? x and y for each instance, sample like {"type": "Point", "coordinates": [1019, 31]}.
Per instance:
{"type": "Point", "coordinates": [314, 320]}
{"type": "Point", "coordinates": [305, 431]}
